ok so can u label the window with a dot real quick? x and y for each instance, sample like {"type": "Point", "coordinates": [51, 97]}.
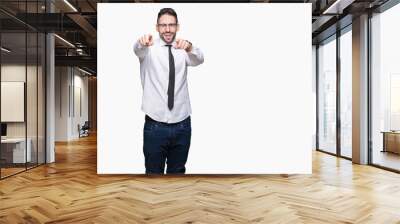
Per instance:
{"type": "Point", "coordinates": [327, 96]}
{"type": "Point", "coordinates": [346, 93]}
{"type": "Point", "coordinates": [385, 89]}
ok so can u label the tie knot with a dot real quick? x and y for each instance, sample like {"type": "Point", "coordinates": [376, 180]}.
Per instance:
{"type": "Point", "coordinates": [168, 45]}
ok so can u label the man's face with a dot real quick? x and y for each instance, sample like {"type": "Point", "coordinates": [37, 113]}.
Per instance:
{"type": "Point", "coordinates": [167, 28]}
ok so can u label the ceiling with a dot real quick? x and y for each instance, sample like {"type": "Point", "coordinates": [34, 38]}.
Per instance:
{"type": "Point", "coordinates": [76, 22]}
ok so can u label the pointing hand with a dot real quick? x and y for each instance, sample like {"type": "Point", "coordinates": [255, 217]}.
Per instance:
{"type": "Point", "coordinates": [183, 44]}
{"type": "Point", "coordinates": [146, 40]}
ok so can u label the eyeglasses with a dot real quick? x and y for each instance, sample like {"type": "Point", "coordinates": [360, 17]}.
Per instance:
{"type": "Point", "coordinates": [171, 25]}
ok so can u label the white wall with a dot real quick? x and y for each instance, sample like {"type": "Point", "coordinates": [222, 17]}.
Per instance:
{"type": "Point", "coordinates": [34, 125]}
{"type": "Point", "coordinates": [61, 103]}
{"type": "Point", "coordinates": [16, 72]}
{"type": "Point", "coordinates": [80, 88]}
{"type": "Point", "coordinates": [12, 73]}
{"type": "Point", "coordinates": [68, 83]}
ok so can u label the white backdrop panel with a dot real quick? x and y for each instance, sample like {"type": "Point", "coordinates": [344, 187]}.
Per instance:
{"type": "Point", "coordinates": [251, 99]}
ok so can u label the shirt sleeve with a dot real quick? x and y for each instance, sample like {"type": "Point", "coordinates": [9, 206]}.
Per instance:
{"type": "Point", "coordinates": [140, 50]}
{"type": "Point", "coordinates": [194, 57]}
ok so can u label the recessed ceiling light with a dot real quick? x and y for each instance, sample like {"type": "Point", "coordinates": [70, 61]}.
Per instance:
{"type": "Point", "coordinates": [5, 50]}
{"type": "Point", "coordinates": [70, 5]}
{"type": "Point", "coordinates": [64, 40]}
{"type": "Point", "coordinates": [84, 71]}
{"type": "Point", "coordinates": [338, 6]}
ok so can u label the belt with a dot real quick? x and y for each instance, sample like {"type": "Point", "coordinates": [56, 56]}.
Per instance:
{"type": "Point", "coordinates": [148, 118]}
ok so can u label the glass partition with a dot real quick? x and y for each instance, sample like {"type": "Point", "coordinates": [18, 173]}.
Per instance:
{"type": "Point", "coordinates": [13, 105]}
{"type": "Point", "coordinates": [327, 96]}
{"type": "Point", "coordinates": [22, 77]}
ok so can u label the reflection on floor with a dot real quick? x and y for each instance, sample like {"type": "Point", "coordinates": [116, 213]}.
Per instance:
{"type": "Point", "coordinates": [386, 159]}
{"type": "Point", "coordinates": [346, 152]}
{"type": "Point", "coordinates": [10, 169]}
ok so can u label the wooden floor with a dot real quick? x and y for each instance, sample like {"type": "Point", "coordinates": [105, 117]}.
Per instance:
{"type": "Point", "coordinates": [70, 191]}
{"type": "Point", "coordinates": [5, 172]}
{"type": "Point", "coordinates": [387, 159]}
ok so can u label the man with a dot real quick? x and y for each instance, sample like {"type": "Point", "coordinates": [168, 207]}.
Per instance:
{"type": "Point", "coordinates": [163, 71]}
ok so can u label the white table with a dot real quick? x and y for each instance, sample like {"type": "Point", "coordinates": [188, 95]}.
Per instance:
{"type": "Point", "coordinates": [18, 149]}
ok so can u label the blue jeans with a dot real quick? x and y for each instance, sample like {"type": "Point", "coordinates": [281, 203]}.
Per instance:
{"type": "Point", "coordinates": [166, 143]}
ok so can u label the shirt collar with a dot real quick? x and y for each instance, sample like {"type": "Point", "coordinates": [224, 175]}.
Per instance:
{"type": "Point", "coordinates": [161, 42]}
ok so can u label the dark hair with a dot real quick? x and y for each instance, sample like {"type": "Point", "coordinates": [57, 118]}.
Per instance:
{"type": "Point", "coordinates": [168, 11]}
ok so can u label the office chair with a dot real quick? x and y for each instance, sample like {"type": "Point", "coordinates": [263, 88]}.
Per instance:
{"type": "Point", "coordinates": [84, 130]}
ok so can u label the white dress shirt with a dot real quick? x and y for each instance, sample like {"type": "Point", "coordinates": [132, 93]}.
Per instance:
{"type": "Point", "coordinates": [154, 74]}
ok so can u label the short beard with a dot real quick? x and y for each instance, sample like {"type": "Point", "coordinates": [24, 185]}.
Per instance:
{"type": "Point", "coordinates": [173, 38]}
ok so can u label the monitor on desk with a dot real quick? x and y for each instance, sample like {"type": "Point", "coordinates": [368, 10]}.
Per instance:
{"type": "Point", "coordinates": [3, 130]}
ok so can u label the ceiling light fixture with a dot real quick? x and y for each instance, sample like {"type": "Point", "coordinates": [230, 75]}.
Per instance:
{"type": "Point", "coordinates": [5, 50]}
{"type": "Point", "coordinates": [84, 71]}
{"type": "Point", "coordinates": [64, 40]}
{"type": "Point", "coordinates": [338, 6]}
{"type": "Point", "coordinates": [70, 5]}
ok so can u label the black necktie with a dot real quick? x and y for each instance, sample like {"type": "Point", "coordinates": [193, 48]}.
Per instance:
{"type": "Point", "coordinates": [171, 83]}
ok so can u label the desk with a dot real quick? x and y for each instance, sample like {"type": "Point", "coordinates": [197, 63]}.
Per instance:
{"type": "Point", "coordinates": [15, 148]}
{"type": "Point", "coordinates": [391, 141]}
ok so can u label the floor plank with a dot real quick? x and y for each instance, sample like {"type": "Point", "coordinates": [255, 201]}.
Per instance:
{"type": "Point", "coordinates": [70, 191]}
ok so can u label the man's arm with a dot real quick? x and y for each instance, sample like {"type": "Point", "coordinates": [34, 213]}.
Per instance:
{"type": "Point", "coordinates": [140, 50]}
{"type": "Point", "coordinates": [194, 56]}
{"type": "Point", "coordinates": [141, 47]}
